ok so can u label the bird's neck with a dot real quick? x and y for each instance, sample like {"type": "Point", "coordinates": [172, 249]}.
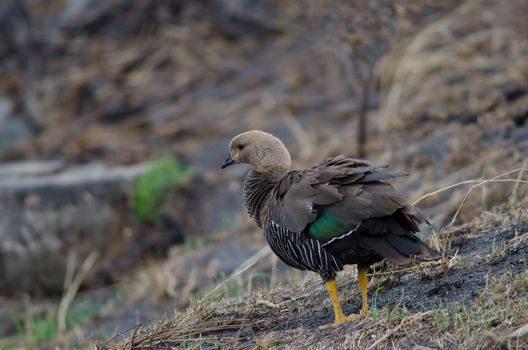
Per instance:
{"type": "Point", "coordinates": [257, 189]}
{"type": "Point", "coordinates": [273, 162]}
{"type": "Point", "coordinates": [273, 172]}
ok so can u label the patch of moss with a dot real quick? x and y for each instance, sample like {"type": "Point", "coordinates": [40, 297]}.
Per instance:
{"type": "Point", "coordinates": [152, 190]}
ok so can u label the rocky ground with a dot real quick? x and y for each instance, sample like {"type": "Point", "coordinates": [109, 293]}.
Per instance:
{"type": "Point", "coordinates": [100, 100]}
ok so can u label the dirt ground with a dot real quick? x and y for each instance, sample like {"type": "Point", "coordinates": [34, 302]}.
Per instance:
{"type": "Point", "coordinates": [487, 261]}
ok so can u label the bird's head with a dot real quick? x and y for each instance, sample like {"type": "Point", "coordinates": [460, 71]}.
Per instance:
{"type": "Point", "coordinates": [266, 153]}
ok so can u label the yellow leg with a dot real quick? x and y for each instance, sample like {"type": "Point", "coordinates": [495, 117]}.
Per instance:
{"type": "Point", "coordinates": [338, 312]}
{"type": "Point", "coordinates": [332, 292]}
{"type": "Point", "coordinates": [362, 281]}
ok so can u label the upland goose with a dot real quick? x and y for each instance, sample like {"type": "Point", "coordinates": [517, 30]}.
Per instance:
{"type": "Point", "coordinates": [341, 211]}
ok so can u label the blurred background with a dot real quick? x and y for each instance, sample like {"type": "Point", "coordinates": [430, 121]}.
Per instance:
{"type": "Point", "coordinates": [115, 116]}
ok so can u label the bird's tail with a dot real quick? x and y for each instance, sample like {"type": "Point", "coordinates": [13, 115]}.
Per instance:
{"type": "Point", "coordinates": [398, 244]}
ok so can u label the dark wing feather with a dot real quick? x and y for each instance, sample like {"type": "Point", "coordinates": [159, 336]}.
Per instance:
{"type": "Point", "coordinates": [385, 236]}
{"type": "Point", "coordinates": [382, 176]}
{"type": "Point", "coordinates": [409, 245]}
{"type": "Point", "coordinates": [381, 246]}
{"type": "Point", "coordinates": [353, 190]}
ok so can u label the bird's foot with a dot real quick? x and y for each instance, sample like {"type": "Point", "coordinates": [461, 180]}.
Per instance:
{"type": "Point", "coordinates": [364, 311]}
{"type": "Point", "coordinates": [341, 319]}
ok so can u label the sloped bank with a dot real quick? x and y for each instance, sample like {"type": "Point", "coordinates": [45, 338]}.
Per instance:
{"type": "Point", "coordinates": [474, 297]}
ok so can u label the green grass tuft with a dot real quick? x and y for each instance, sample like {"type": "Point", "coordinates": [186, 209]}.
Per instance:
{"type": "Point", "coordinates": [153, 189]}
{"type": "Point", "coordinates": [44, 329]}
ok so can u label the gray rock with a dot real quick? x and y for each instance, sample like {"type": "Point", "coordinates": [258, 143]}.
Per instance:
{"type": "Point", "coordinates": [45, 218]}
{"type": "Point", "coordinates": [30, 168]}
{"type": "Point", "coordinates": [13, 128]}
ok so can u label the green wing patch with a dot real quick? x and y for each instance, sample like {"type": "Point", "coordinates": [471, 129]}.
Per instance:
{"type": "Point", "coordinates": [327, 226]}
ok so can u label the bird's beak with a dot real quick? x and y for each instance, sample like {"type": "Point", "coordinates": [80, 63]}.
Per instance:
{"type": "Point", "coordinates": [229, 161]}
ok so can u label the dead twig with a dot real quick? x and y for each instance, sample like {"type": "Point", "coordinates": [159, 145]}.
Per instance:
{"type": "Point", "coordinates": [479, 182]}
{"type": "Point", "coordinates": [251, 261]}
{"type": "Point", "coordinates": [513, 198]}
{"type": "Point", "coordinates": [71, 292]}
{"type": "Point", "coordinates": [134, 336]}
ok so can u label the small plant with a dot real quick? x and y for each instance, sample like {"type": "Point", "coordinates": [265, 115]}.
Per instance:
{"type": "Point", "coordinates": [150, 197]}
{"type": "Point", "coordinates": [459, 317]}
{"type": "Point", "coordinates": [441, 318]}
{"type": "Point", "coordinates": [44, 329]}
{"type": "Point", "coordinates": [39, 329]}
{"type": "Point", "coordinates": [374, 312]}
{"type": "Point", "coordinates": [397, 314]}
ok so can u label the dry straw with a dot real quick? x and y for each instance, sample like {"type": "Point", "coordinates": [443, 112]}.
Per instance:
{"type": "Point", "coordinates": [478, 183]}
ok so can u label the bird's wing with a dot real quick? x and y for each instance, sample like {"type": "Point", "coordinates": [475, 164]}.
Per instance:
{"type": "Point", "coordinates": [337, 194]}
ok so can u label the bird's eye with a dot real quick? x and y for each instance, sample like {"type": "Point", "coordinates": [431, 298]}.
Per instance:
{"type": "Point", "coordinates": [240, 147]}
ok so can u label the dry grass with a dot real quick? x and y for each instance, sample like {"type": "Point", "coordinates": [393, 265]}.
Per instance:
{"type": "Point", "coordinates": [456, 66]}
{"type": "Point", "coordinates": [287, 317]}
{"type": "Point", "coordinates": [453, 91]}
{"type": "Point", "coordinates": [488, 322]}
{"type": "Point", "coordinates": [72, 284]}
{"type": "Point", "coordinates": [478, 183]}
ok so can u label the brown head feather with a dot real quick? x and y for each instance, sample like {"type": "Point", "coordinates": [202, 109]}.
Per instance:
{"type": "Point", "coordinates": [266, 153]}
